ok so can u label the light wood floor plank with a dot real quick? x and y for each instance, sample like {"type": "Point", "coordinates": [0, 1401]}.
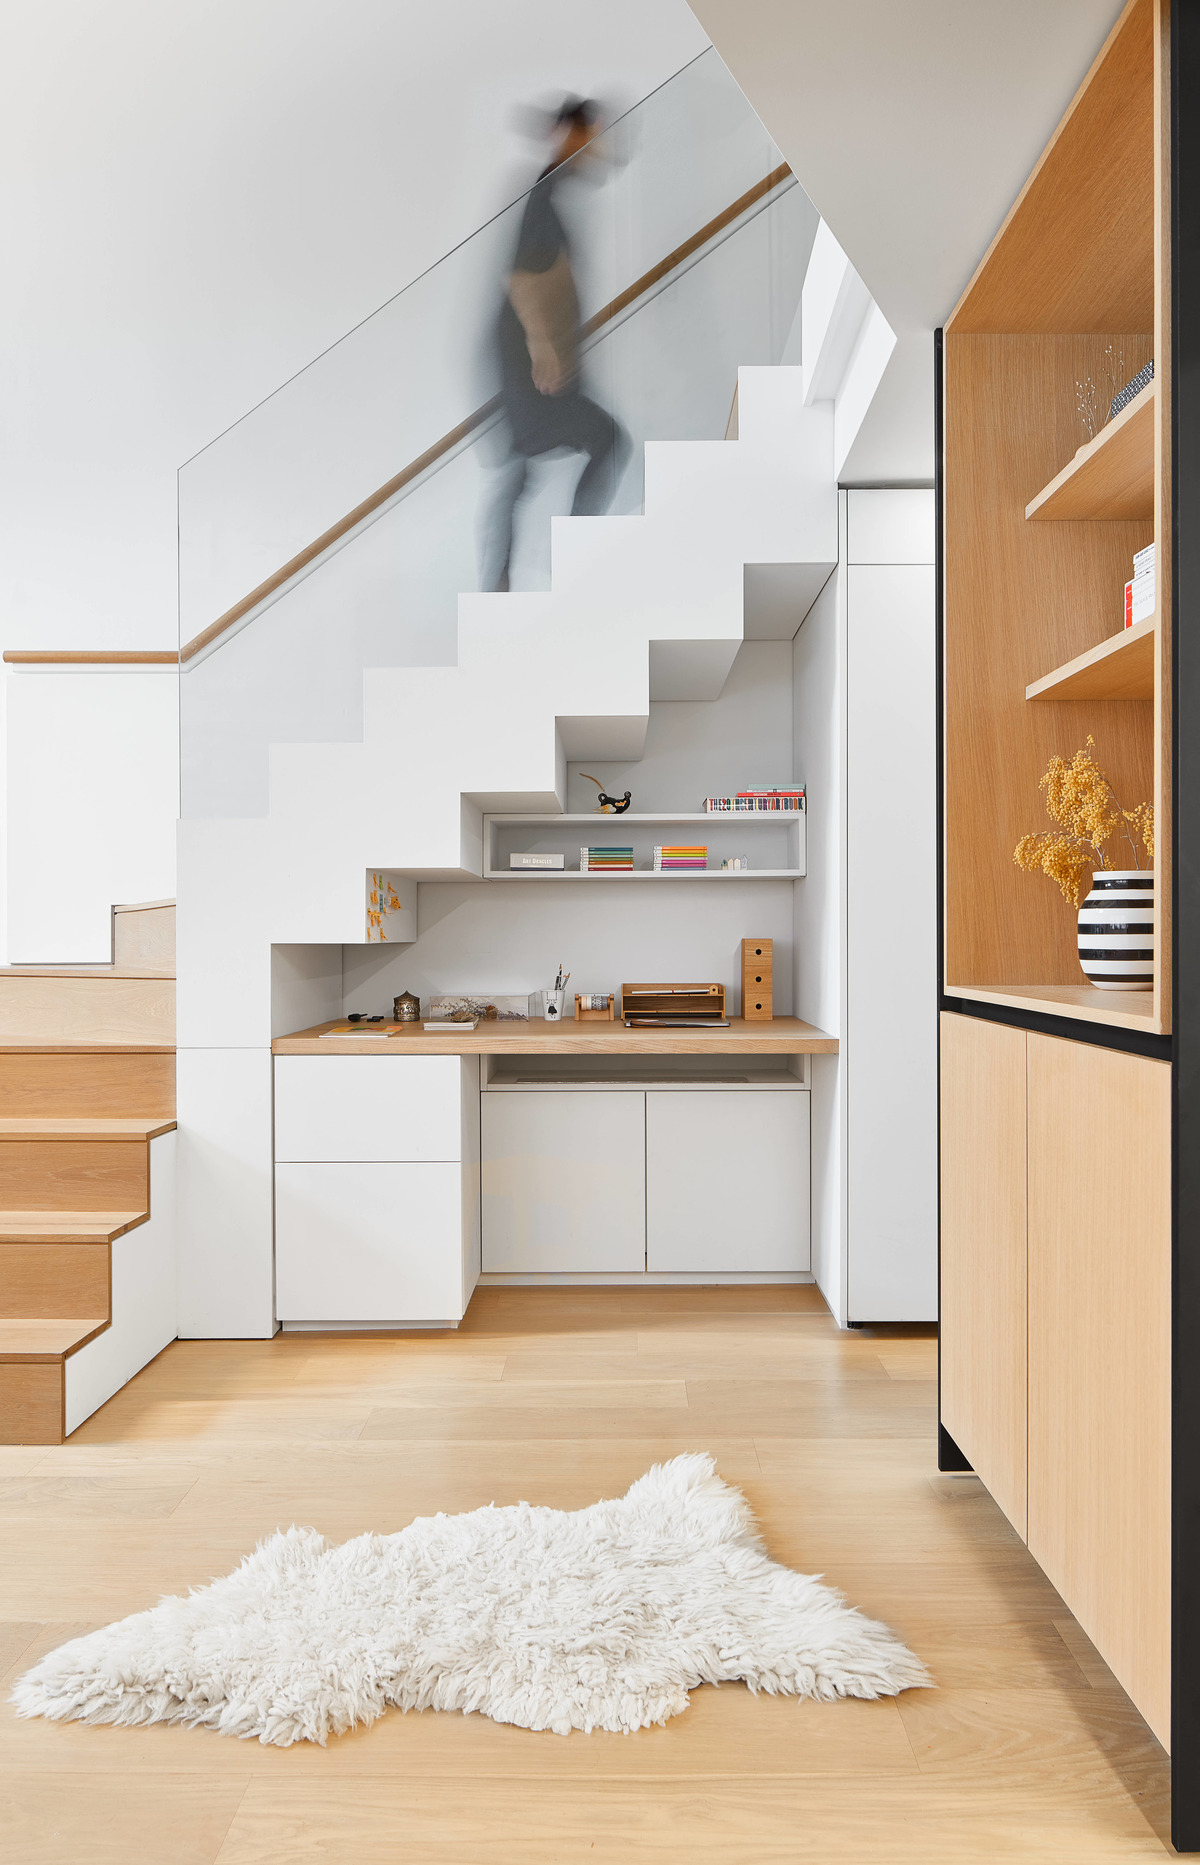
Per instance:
{"type": "Point", "coordinates": [1027, 1751]}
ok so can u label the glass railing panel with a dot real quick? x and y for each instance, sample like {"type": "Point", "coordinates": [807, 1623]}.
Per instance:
{"type": "Point", "coordinates": [288, 666]}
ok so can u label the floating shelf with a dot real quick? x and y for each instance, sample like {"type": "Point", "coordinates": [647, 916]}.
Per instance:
{"type": "Point", "coordinates": [1120, 668]}
{"type": "Point", "coordinates": [1111, 476]}
{"type": "Point", "coordinates": [775, 837]}
{"type": "Point", "coordinates": [1125, 1010]}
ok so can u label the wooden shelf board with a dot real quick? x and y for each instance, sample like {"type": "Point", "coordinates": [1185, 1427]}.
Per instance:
{"type": "Point", "coordinates": [644, 874]}
{"type": "Point", "coordinates": [1120, 668]}
{"type": "Point", "coordinates": [600, 821]}
{"type": "Point", "coordinates": [1111, 476]}
{"type": "Point", "coordinates": [778, 1036]}
{"type": "Point", "coordinates": [1123, 1010]}
{"type": "Point", "coordinates": [1076, 250]}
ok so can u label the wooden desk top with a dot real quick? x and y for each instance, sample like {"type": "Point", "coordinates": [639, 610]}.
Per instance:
{"type": "Point", "coordinates": [780, 1036]}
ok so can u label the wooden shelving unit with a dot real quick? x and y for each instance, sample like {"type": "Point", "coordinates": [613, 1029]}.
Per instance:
{"type": "Point", "coordinates": [1120, 668]}
{"type": "Point", "coordinates": [1111, 476]}
{"type": "Point", "coordinates": [1056, 1250]}
{"type": "Point", "coordinates": [1036, 554]}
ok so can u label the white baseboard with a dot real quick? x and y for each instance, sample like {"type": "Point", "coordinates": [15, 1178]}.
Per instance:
{"type": "Point", "coordinates": [653, 1279]}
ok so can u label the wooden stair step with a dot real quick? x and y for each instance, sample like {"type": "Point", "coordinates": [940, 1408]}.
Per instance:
{"type": "Point", "coordinates": [33, 1357]}
{"type": "Point", "coordinates": [25, 1341]}
{"type": "Point", "coordinates": [96, 1080]}
{"type": "Point", "coordinates": [100, 1003]}
{"type": "Point", "coordinates": [66, 1226]}
{"type": "Point", "coordinates": [82, 1128]}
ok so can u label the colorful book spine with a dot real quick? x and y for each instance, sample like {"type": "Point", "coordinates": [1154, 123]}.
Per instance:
{"type": "Point", "coordinates": [755, 802]}
{"type": "Point", "coordinates": [681, 858]}
{"type": "Point", "coordinates": [605, 860]}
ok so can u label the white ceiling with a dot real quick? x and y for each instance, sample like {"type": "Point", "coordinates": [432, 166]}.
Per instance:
{"type": "Point", "coordinates": [911, 124]}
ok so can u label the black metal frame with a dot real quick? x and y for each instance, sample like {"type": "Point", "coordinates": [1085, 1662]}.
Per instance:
{"type": "Point", "coordinates": [1185, 942]}
{"type": "Point", "coordinates": [1182, 1048]}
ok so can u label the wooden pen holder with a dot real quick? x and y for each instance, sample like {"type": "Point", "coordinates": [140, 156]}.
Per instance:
{"type": "Point", "coordinates": [587, 1013]}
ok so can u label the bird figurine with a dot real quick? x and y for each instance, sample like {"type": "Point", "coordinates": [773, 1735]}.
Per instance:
{"type": "Point", "coordinates": [606, 805]}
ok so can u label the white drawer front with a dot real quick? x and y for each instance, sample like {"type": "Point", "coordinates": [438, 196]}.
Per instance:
{"type": "Point", "coordinates": [368, 1107]}
{"type": "Point", "coordinates": [727, 1181]}
{"type": "Point", "coordinates": [368, 1242]}
{"type": "Point", "coordinates": [563, 1179]}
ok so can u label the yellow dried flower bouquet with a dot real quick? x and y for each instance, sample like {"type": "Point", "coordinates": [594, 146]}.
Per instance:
{"type": "Point", "coordinates": [1082, 801]}
{"type": "Point", "coordinates": [1116, 907]}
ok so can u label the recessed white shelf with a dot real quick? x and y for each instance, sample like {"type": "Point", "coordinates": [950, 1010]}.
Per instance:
{"type": "Point", "coordinates": [776, 839]}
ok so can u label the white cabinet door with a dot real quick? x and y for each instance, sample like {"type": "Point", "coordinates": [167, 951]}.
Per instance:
{"type": "Point", "coordinates": [368, 1107]}
{"type": "Point", "coordinates": [727, 1181]}
{"type": "Point", "coordinates": [369, 1242]}
{"type": "Point", "coordinates": [563, 1177]}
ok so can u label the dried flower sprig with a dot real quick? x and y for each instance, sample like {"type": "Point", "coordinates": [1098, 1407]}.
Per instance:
{"type": "Point", "coordinates": [1082, 801]}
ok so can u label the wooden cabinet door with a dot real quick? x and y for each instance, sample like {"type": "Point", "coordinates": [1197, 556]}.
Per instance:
{"type": "Point", "coordinates": [983, 1254]}
{"type": "Point", "coordinates": [727, 1180]}
{"type": "Point", "coordinates": [1100, 1351]}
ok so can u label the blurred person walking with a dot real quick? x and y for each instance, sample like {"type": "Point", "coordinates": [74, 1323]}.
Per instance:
{"type": "Point", "coordinates": [536, 343]}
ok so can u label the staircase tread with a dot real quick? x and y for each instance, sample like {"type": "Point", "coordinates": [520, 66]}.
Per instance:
{"type": "Point", "coordinates": [85, 1048]}
{"type": "Point", "coordinates": [84, 1128]}
{"type": "Point", "coordinates": [67, 1226]}
{"type": "Point", "coordinates": [45, 1340]}
{"type": "Point", "coordinates": [85, 971]}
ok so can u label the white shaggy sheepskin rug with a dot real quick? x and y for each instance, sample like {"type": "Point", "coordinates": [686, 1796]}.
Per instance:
{"type": "Point", "coordinates": [600, 1619]}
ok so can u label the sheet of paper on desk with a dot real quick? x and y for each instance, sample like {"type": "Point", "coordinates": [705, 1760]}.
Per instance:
{"type": "Point", "coordinates": [359, 1030]}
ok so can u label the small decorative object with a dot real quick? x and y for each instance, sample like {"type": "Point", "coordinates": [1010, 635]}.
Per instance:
{"type": "Point", "coordinates": [476, 1004]}
{"type": "Point", "coordinates": [1116, 930]}
{"type": "Point", "coordinates": [406, 1008]}
{"type": "Point", "coordinates": [606, 805]}
{"type": "Point", "coordinates": [735, 864]}
{"type": "Point", "coordinates": [758, 974]}
{"type": "Point", "coordinates": [391, 911]}
{"type": "Point", "coordinates": [1133, 387]}
{"type": "Point", "coordinates": [1087, 407]}
{"type": "Point", "coordinates": [593, 1007]}
{"type": "Point", "coordinates": [1116, 919]}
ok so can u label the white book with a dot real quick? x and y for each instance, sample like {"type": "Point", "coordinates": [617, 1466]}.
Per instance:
{"type": "Point", "coordinates": [1143, 560]}
{"type": "Point", "coordinates": [452, 1026]}
{"type": "Point", "coordinates": [536, 862]}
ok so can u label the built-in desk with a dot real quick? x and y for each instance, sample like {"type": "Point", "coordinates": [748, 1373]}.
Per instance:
{"type": "Point", "coordinates": [778, 1036]}
{"type": "Point", "coordinates": [408, 1166]}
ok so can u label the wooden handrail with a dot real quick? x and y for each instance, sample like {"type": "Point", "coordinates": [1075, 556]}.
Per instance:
{"type": "Point", "coordinates": [449, 441]}
{"type": "Point", "coordinates": [86, 657]}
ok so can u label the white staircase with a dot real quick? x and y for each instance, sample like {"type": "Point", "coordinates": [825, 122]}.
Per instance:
{"type": "Point", "coordinates": [639, 607]}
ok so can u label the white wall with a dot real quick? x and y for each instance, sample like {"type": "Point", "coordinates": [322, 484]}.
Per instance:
{"type": "Point", "coordinates": [200, 198]}
{"type": "Point", "coordinates": [511, 935]}
{"type": "Point", "coordinates": [93, 794]}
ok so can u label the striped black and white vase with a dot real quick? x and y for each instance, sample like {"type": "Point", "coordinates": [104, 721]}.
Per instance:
{"type": "Point", "coordinates": [1116, 931]}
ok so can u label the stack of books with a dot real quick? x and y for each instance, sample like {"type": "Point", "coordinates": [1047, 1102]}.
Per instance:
{"type": "Point", "coordinates": [681, 858]}
{"type": "Point", "coordinates": [606, 860]}
{"type": "Point", "coordinates": [1140, 591]}
{"type": "Point", "coordinates": [754, 802]}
